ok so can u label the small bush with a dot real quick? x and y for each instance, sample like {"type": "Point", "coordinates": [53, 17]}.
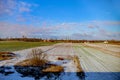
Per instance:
{"type": "Point", "coordinates": [37, 57]}
{"type": "Point", "coordinates": [77, 63]}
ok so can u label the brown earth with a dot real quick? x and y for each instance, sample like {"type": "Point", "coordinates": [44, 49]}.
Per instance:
{"type": "Point", "coordinates": [54, 68]}
{"type": "Point", "coordinates": [77, 63]}
{"type": "Point", "coordinates": [29, 62]}
{"type": "Point", "coordinates": [6, 55]}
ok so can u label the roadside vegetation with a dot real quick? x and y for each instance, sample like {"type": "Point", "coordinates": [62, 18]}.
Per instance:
{"type": "Point", "coordinates": [6, 55]}
{"type": "Point", "coordinates": [37, 65]}
{"type": "Point", "coordinates": [37, 58]}
{"type": "Point", "coordinates": [77, 63]}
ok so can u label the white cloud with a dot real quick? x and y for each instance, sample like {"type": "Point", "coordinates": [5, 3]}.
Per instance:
{"type": "Point", "coordinates": [7, 6]}
{"type": "Point", "coordinates": [61, 30]}
{"type": "Point", "coordinates": [106, 22]}
{"type": "Point", "coordinates": [24, 7]}
{"type": "Point", "coordinates": [97, 36]}
{"type": "Point", "coordinates": [17, 30]}
{"type": "Point", "coordinates": [11, 7]}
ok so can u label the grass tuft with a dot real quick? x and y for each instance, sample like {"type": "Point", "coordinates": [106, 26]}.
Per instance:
{"type": "Point", "coordinates": [37, 57]}
{"type": "Point", "coordinates": [54, 68]}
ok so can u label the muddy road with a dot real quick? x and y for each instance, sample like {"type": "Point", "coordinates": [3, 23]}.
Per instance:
{"type": "Point", "coordinates": [93, 60]}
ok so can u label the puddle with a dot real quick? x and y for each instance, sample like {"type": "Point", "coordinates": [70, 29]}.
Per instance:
{"type": "Point", "coordinates": [102, 75]}
{"type": "Point", "coordinates": [6, 70]}
{"type": "Point", "coordinates": [35, 73]}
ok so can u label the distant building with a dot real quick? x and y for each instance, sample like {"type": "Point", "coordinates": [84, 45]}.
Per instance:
{"type": "Point", "coordinates": [106, 42]}
{"type": "Point", "coordinates": [46, 40]}
{"type": "Point", "coordinates": [84, 42]}
{"type": "Point", "coordinates": [87, 42]}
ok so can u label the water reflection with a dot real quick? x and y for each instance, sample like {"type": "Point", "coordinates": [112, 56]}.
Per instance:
{"type": "Point", "coordinates": [102, 75]}
{"type": "Point", "coordinates": [35, 73]}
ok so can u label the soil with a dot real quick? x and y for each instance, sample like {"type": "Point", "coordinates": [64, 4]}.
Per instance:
{"type": "Point", "coordinates": [6, 55]}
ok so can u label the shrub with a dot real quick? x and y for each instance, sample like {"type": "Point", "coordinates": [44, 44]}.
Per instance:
{"type": "Point", "coordinates": [37, 57]}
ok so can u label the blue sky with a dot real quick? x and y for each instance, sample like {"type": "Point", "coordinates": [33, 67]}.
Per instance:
{"type": "Point", "coordinates": [74, 19]}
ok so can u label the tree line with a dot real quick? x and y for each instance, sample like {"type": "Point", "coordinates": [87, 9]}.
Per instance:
{"type": "Point", "coordinates": [56, 40]}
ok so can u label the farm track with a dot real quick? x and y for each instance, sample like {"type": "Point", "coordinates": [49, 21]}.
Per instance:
{"type": "Point", "coordinates": [93, 60]}
{"type": "Point", "coordinates": [106, 48]}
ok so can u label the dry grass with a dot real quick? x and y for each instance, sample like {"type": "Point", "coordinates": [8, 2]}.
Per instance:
{"type": "Point", "coordinates": [38, 59]}
{"type": "Point", "coordinates": [6, 55]}
{"type": "Point", "coordinates": [35, 58]}
{"type": "Point", "coordinates": [53, 68]}
{"type": "Point", "coordinates": [77, 63]}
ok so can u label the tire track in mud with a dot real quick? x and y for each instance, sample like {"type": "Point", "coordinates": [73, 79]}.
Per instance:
{"type": "Point", "coordinates": [109, 62]}
{"type": "Point", "coordinates": [91, 61]}
{"type": "Point", "coordinates": [96, 60]}
{"type": "Point", "coordinates": [113, 53]}
{"type": "Point", "coordinates": [96, 65]}
{"type": "Point", "coordinates": [83, 59]}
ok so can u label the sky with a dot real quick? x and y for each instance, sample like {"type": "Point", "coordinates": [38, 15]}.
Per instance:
{"type": "Point", "coordinates": [60, 19]}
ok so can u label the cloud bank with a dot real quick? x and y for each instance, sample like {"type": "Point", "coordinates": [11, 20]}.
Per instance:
{"type": "Point", "coordinates": [61, 31]}
{"type": "Point", "coordinates": [11, 7]}
{"type": "Point", "coordinates": [17, 18]}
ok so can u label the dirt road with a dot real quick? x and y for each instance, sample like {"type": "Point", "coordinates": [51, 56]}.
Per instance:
{"type": "Point", "coordinates": [93, 60]}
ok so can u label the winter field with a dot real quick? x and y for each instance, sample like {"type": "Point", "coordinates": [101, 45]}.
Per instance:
{"type": "Point", "coordinates": [98, 61]}
{"type": "Point", "coordinates": [19, 45]}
